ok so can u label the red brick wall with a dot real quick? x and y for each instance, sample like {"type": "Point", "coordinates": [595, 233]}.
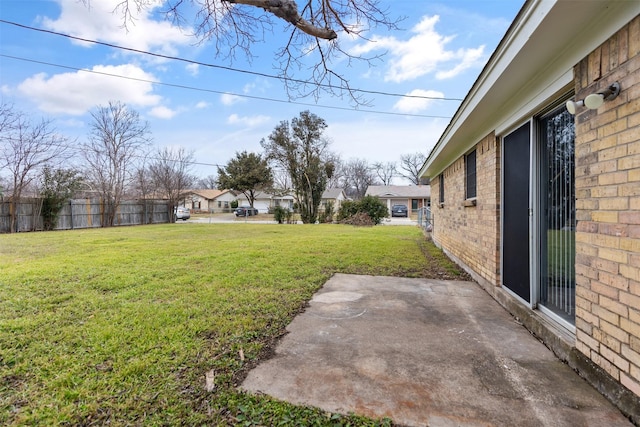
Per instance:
{"type": "Point", "coordinates": [608, 209]}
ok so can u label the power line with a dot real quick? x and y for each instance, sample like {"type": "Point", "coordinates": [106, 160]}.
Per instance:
{"type": "Point", "coordinates": [305, 104]}
{"type": "Point", "coordinates": [237, 70]}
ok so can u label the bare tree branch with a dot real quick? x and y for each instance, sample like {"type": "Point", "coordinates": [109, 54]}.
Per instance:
{"type": "Point", "coordinates": [25, 148]}
{"type": "Point", "coordinates": [170, 174]}
{"type": "Point", "coordinates": [312, 48]}
{"type": "Point", "coordinates": [410, 165]}
{"type": "Point", "coordinates": [116, 140]}
{"type": "Point", "coordinates": [385, 171]}
{"type": "Point", "coordinates": [288, 11]}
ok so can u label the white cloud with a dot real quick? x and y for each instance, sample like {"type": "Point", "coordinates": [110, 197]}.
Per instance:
{"type": "Point", "coordinates": [193, 69]}
{"type": "Point", "coordinates": [229, 99]}
{"type": "Point", "coordinates": [248, 88]}
{"type": "Point", "coordinates": [469, 58]}
{"type": "Point", "coordinates": [424, 52]}
{"type": "Point", "coordinates": [259, 86]}
{"type": "Point", "coordinates": [162, 112]}
{"type": "Point", "coordinates": [415, 105]}
{"type": "Point", "coordinates": [76, 93]}
{"type": "Point", "coordinates": [202, 104]}
{"type": "Point", "coordinates": [102, 21]}
{"type": "Point", "coordinates": [250, 121]}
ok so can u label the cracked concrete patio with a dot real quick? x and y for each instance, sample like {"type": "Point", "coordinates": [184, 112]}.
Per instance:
{"type": "Point", "coordinates": [424, 353]}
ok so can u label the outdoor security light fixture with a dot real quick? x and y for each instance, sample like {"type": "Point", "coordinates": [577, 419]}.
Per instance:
{"type": "Point", "coordinates": [572, 106]}
{"type": "Point", "coordinates": [595, 100]}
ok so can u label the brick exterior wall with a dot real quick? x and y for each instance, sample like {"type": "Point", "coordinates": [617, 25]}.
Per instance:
{"type": "Point", "coordinates": [608, 209]}
{"type": "Point", "coordinates": [471, 233]}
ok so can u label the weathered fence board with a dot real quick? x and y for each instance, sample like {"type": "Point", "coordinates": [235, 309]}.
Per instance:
{"type": "Point", "coordinates": [83, 213]}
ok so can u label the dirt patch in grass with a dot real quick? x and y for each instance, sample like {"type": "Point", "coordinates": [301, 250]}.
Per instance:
{"type": "Point", "coordinates": [439, 265]}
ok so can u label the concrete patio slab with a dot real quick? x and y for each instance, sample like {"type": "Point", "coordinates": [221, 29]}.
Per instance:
{"type": "Point", "coordinates": [424, 353]}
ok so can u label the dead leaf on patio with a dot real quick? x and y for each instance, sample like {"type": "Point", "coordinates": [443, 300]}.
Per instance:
{"type": "Point", "coordinates": [209, 381]}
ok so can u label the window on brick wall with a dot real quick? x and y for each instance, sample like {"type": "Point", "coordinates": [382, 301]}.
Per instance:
{"type": "Point", "coordinates": [470, 174]}
{"type": "Point", "coordinates": [441, 183]}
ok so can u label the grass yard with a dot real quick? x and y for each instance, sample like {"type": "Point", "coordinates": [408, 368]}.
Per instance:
{"type": "Point", "coordinates": [121, 325]}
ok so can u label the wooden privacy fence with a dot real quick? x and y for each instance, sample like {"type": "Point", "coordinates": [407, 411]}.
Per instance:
{"type": "Point", "coordinates": [83, 213]}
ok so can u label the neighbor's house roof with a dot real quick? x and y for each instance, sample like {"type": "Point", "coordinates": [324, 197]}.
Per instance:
{"type": "Point", "coordinates": [400, 191]}
{"type": "Point", "coordinates": [207, 194]}
{"type": "Point", "coordinates": [261, 195]}
{"type": "Point", "coordinates": [532, 64]}
{"type": "Point", "coordinates": [333, 193]}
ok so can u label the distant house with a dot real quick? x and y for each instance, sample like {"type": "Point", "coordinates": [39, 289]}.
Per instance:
{"type": "Point", "coordinates": [413, 196]}
{"type": "Point", "coordinates": [333, 195]}
{"type": "Point", "coordinates": [222, 202]}
{"type": "Point", "coordinates": [265, 202]}
{"type": "Point", "coordinates": [209, 200]}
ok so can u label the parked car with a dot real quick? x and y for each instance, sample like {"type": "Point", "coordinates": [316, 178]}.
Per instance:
{"type": "Point", "coordinates": [399, 210]}
{"type": "Point", "coordinates": [182, 213]}
{"type": "Point", "coordinates": [246, 211]}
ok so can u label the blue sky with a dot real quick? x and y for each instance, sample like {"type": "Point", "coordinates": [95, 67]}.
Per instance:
{"type": "Point", "coordinates": [439, 52]}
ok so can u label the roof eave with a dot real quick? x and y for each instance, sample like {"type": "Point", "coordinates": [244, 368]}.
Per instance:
{"type": "Point", "coordinates": [519, 69]}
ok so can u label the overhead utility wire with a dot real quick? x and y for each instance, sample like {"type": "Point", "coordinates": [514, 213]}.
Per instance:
{"type": "Point", "coordinates": [261, 98]}
{"type": "Point", "coordinates": [222, 67]}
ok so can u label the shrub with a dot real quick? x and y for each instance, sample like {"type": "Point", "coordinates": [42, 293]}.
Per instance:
{"type": "Point", "coordinates": [326, 216]}
{"type": "Point", "coordinates": [375, 208]}
{"type": "Point", "coordinates": [372, 206]}
{"type": "Point", "coordinates": [279, 214]}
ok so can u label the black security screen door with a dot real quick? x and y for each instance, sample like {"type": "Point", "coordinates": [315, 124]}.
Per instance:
{"type": "Point", "coordinates": [515, 237]}
{"type": "Point", "coordinates": [558, 222]}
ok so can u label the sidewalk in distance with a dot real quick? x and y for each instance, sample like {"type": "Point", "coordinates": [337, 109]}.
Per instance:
{"type": "Point", "coordinates": [424, 353]}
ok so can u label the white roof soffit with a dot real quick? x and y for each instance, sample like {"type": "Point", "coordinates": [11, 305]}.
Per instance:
{"type": "Point", "coordinates": [532, 62]}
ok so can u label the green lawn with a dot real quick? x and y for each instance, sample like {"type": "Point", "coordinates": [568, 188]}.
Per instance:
{"type": "Point", "coordinates": [561, 255]}
{"type": "Point", "coordinates": [121, 325]}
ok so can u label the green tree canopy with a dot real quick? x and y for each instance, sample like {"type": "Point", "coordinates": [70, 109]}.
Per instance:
{"type": "Point", "coordinates": [301, 150]}
{"type": "Point", "coordinates": [247, 173]}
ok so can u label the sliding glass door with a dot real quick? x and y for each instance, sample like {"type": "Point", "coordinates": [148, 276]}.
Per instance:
{"type": "Point", "coordinates": [556, 142]}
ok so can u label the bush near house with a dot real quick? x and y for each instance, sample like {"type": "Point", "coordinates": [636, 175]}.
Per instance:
{"type": "Point", "coordinates": [370, 205]}
{"type": "Point", "coordinates": [326, 215]}
{"type": "Point", "coordinates": [282, 215]}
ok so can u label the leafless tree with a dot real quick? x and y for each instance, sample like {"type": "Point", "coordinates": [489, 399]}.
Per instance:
{"type": "Point", "coordinates": [337, 179]}
{"type": "Point", "coordinates": [208, 183]}
{"type": "Point", "coordinates": [145, 189]}
{"type": "Point", "coordinates": [8, 118]}
{"type": "Point", "coordinates": [357, 177]}
{"type": "Point", "coordinates": [282, 184]}
{"type": "Point", "coordinates": [385, 171]}
{"type": "Point", "coordinates": [170, 172]}
{"type": "Point", "coordinates": [116, 142]}
{"type": "Point", "coordinates": [313, 26]}
{"type": "Point", "coordinates": [26, 147]}
{"type": "Point", "coordinates": [142, 182]}
{"type": "Point", "coordinates": [410, 165]}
